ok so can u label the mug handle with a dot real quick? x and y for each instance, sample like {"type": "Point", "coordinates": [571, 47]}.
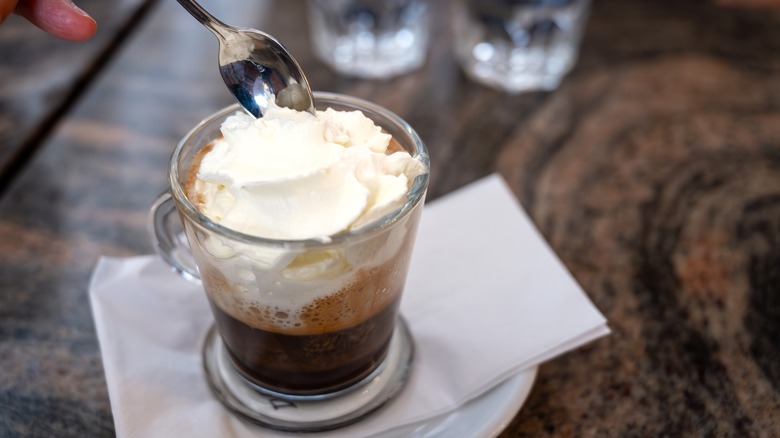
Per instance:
{"type": "Point", "coordinates": [169, 239]}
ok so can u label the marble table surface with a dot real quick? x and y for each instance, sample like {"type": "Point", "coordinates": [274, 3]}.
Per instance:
{"type": "Point", "coordinates": [653, 171]}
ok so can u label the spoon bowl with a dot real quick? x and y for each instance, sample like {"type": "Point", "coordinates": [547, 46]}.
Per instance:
{"type": "Point", "coordinates": [256, 68]}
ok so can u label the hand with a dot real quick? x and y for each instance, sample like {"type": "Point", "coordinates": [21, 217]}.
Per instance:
{"type": "Point", "coordinates": [60, 18]}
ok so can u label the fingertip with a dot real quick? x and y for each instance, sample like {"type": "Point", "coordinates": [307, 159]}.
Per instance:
{"type": "Point", "coordinates": [60, 18]}
{"type": "Point", "coordinates": [79, 30]}
{"type": "Point", "coordinates": [86, 28]}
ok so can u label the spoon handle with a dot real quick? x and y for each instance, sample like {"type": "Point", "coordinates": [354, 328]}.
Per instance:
{"type": "Point", "coordinates": [206, 19]}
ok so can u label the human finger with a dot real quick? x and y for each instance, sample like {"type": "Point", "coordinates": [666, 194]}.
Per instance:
{"type": "Point", "coordinates": [60, 18]}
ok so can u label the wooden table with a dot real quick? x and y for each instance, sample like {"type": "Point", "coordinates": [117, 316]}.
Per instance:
{"type": "Point", "coordinates": [653, 171]}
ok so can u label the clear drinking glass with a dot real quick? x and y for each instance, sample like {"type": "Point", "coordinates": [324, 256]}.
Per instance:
{"type": "Point", "coordinates": [370, 38]}
{"type": "Point", "coordinates": [519, 45]}
{"type": "Point", "coordinates": [300, 324]}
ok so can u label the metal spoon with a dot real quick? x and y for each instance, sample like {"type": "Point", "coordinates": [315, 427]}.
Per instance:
{"type": "Point", "coordinates": [256, 68]}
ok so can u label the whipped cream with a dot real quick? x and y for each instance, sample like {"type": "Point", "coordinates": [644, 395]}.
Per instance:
{"type": "Point", "coordinates": [294, 175]}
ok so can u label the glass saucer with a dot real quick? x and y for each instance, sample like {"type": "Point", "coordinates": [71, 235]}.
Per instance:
{"type": "Point", "coordinates": [307, 413]}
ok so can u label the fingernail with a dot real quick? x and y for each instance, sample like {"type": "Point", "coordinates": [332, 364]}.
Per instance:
{"type": "Point", "coordinates": [79, 10]}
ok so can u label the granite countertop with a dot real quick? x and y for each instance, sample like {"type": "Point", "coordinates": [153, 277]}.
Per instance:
{"type": "Point", "coordinates": [653, 172]}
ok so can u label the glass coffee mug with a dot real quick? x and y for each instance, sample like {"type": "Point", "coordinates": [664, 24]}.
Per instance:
{"type": "Point", "coordinates": [300, 325]}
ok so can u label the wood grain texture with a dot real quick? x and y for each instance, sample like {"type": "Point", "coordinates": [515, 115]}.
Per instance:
{"type": "Point", "coordinates": [41, 76]}
{"type": "Point", "coordinates": [654, 174]}
{"type": "Point", "coordinates": [653, 171]}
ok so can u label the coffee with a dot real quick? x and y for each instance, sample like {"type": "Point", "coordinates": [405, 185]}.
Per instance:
{"type": "Point", "coordinates": [307, 364]}
{"type": "Point", "coordinates": [333, 342]}
{"type": "Point", "coordinates": [303, 319]}
{"type": "Point", "coordinates": [301, 227]}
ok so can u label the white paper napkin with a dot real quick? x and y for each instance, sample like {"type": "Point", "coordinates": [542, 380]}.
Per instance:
{"type": "Point", "coordinates": [486, 298]}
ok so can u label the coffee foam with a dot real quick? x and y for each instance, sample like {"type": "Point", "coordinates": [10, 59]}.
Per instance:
{"type": "Point", "coordinates": [273, 303]}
